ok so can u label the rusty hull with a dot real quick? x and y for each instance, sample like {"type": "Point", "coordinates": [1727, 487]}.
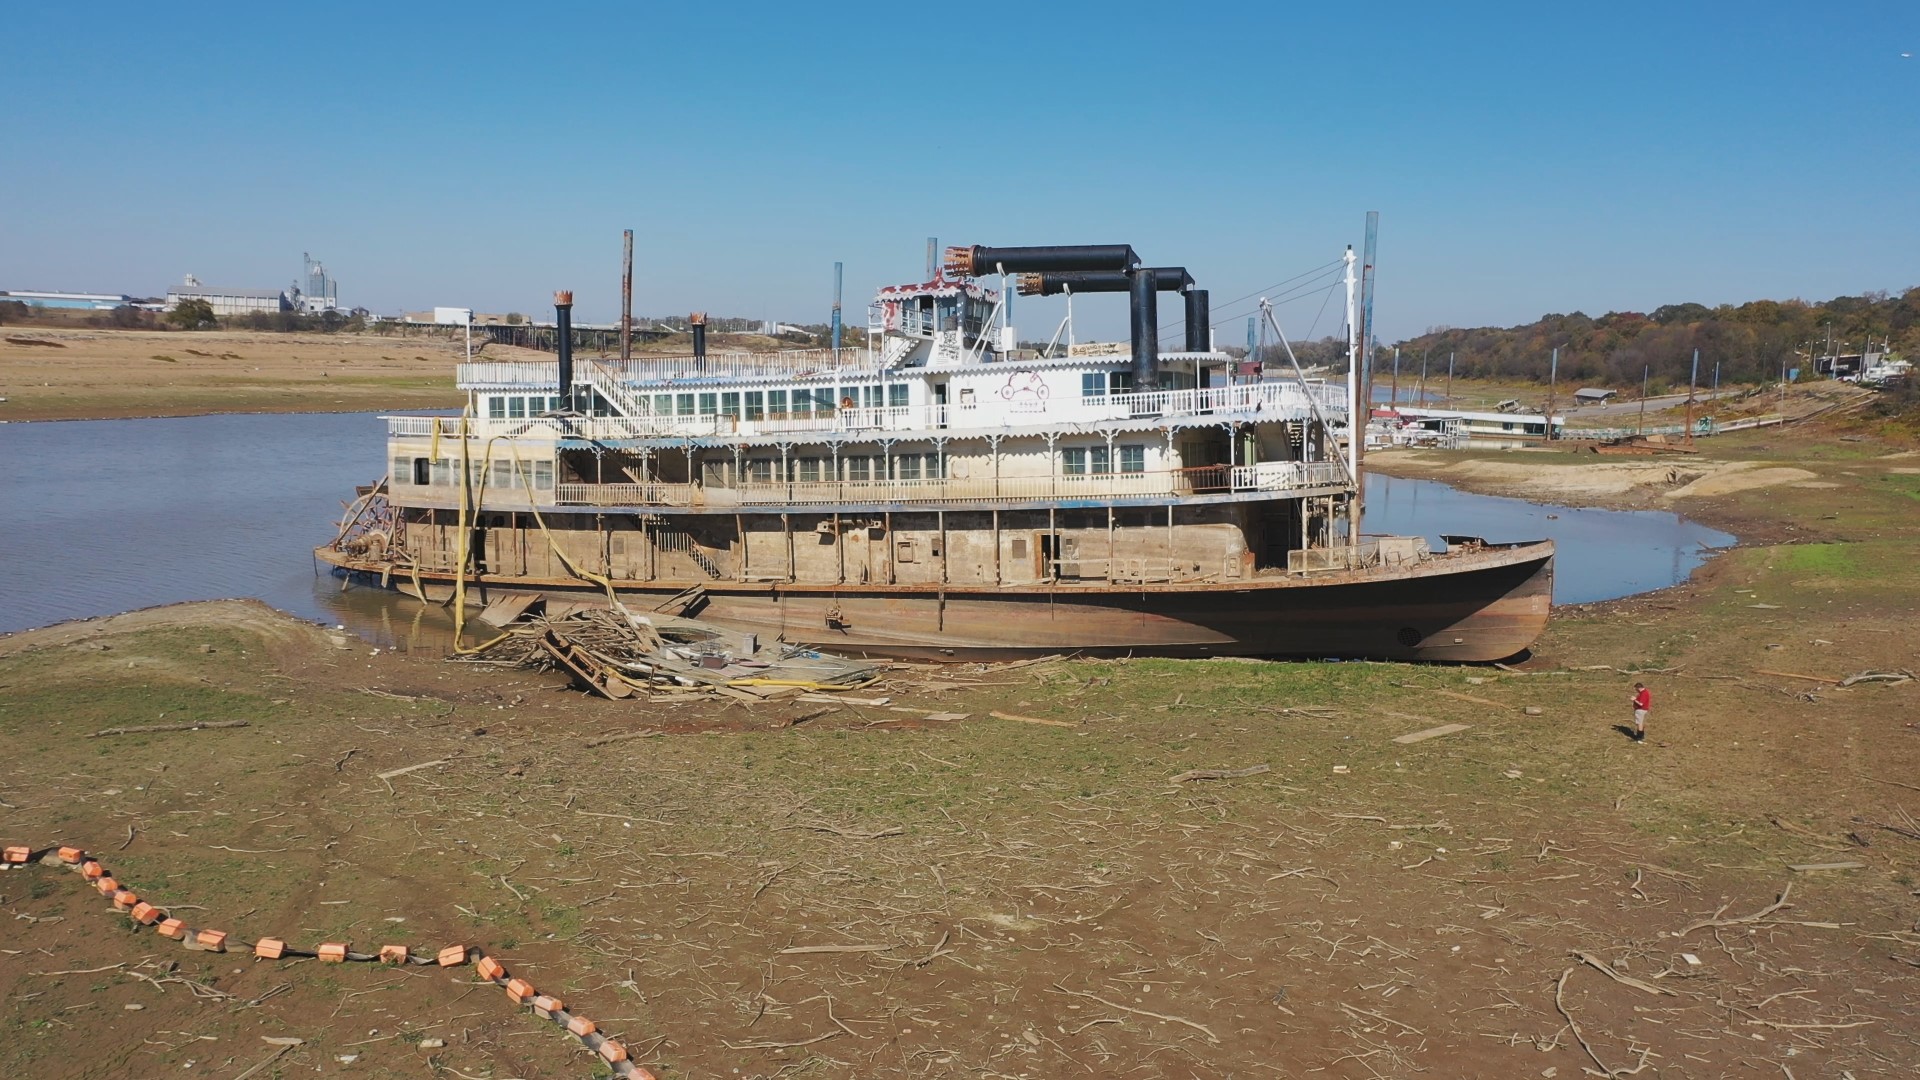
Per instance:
{"type": "Point", "coordinates": [1480, 605]}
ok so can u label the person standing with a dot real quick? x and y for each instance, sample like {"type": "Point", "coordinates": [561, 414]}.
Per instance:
{"type": "Point", "coordinates": [1642, 705]}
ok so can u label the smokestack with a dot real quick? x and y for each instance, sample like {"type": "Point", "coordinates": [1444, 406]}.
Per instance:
{"type": "Point", "coordinates": [1145, 311]}
{"type": "Point", "coordinates": [1198, 337]}
{"type": "Point", "coordinates": [698, 323]}
{"type": "Point", "coordinates": [978, 260]}
{"type": "Point", "coordinates": [563, 316]}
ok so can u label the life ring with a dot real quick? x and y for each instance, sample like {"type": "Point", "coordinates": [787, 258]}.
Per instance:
{"type": "Point", "coordinates": [846, 403]}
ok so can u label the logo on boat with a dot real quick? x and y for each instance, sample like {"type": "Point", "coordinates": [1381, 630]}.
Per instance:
{"type": "Point", "coordinates": [1025, 391]}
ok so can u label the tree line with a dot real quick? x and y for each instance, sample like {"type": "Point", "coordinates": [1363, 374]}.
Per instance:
{"type": "Point", "coordinates": [1750, 342]}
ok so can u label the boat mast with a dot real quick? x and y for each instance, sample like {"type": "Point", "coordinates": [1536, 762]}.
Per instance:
{"type": "Point", "coordinates": [1356, 426]}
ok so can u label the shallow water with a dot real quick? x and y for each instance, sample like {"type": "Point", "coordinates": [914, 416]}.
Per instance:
{"type": "Point", "coordinates": [1599, 554]}
{"type": "Point", "coordinates": [103, 516]}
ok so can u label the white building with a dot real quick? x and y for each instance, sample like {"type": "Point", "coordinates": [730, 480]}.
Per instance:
{"type": "Point", "coordinates": [226, 301]}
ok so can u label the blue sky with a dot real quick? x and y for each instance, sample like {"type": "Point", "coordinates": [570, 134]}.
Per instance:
{"type": "Point", "coordinates": [1524, 158]}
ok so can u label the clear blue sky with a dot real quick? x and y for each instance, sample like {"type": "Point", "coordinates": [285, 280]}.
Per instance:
{"type": "Point", "coordinates": [1524, 158]}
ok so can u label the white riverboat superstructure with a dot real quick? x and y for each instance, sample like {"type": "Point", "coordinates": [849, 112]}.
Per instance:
{"type": "Point", "coordinates": [938, 493]}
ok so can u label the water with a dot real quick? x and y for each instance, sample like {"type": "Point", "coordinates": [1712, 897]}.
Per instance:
{"type": "Point", "coordinates": [103, 516]}
{"type": "Point", "coordinates": [1599, 554]}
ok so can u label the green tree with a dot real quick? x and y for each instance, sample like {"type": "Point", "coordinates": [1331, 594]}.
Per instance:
{"type": "Point", "coordinates": [191, 315]}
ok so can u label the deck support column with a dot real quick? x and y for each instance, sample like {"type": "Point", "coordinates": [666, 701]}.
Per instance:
{"type": "Point", "coordinates": [840, 546]}
{"type": "Point", "coordinates": [740, 540]}
{"type": "Point", "coordinates": [892, 578]}
{"type": "Point", "coordinates": [1169, 543]}
{"type": "Point", "coordinates": [998, 577]}
{"type": "Point", "coordinates": [1109, 543]}
{"type": "Point", "coordinates": [786, 526]}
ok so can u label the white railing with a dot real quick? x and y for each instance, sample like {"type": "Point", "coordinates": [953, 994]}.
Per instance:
{"type": "Point", "coordinates": [787, 364]}
{"type": "Point", "coordinates": [1209, 480]}
{"type": "Point", "coordinates": [1253, 401]}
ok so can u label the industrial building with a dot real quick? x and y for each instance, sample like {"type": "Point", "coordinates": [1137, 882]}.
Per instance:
{"type": "Point", "coordinates": [68, 301]}
{"type": "Point", "coordinates": [225, 301]}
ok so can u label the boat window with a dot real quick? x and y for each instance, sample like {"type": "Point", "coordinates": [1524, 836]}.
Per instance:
{"type": "Point", "coordinates": [1100, 459]}
{"type": "Point", "coordinates": [897, 396]}
{"type": "Point", "coordinates": [1093, 384]}
{"type": "Point", "coordinates": [803, 402]}
{"type": "Point", "coordinates": [859, 468]}
{"type": "Point", "coordinates": [502, 474]}
{"type": "Point", "coordinates": [663, 404]}
{"type": "Point", "coordinates": [1073, 461]}
{"type": "Point", "coordinates": [1019, 547]}
{"type": "Point", "coordinates": [683, 404]}
{"type": "Point", "coordinates": [601, 406]}
{"type": "Point", "coordinates": [777, 403]}
{"type": "Point", "coordinates": [873, 399]}
{"type": "Point", "coordinates": [516, 408]}
{"type": "Point", "coordinates": [760, 470]}
{"type": "Point", "coordinates": [543, 475]}
{"type": "Point", "coordinates": [709, 404]}
{"type": "Point", "coordinates": [730, 404]}
{"type": "Point", "coordinates": [756, 405]}
{"type": "Point", "coordinates": [1120, 382]}
{"type": "Point", "coordinates": [442, 472]}
{"type": "Point", "coordinates": [1133, 459]}
{"type": "Point", "coordinates": [404, 470]}
{"type": "Point", "coordinates": [496, 407]}
{"type": "Point", "coordinates": [809, 470]}
{"type": "Point", "coordinates": [906, 467]}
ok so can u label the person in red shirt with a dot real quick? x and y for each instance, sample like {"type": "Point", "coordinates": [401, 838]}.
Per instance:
{"type": "Point", "coordinates": [1642, 705]}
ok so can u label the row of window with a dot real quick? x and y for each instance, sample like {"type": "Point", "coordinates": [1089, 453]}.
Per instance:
{"type": "Point", "coordinates": [1099, 460]}
{"type": "Point", "coordinates": [444, 472]}
{"type": "Point", "coordinates": [779, 404]}
{"type": "Point", "coordinates": [813, 470]}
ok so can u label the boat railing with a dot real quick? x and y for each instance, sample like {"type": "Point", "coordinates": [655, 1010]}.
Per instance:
{"type": "Point", "coordinates": [788, 363]}
{"type": "Point", "coordinates": [1213, 479]}
{"type": "Point", "coordinates": [1270, 400]}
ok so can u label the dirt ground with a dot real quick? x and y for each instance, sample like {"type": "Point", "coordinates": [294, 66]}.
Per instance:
{"type": "Point", "coordinates": [70, 373]}
{"type": "Point", "coordinates": [798, 889]}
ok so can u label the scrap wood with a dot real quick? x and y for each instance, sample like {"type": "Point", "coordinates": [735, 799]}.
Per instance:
{"type": "Point", "coordinates": [1791, 675]}
{"type": "Point", "coordinates": [1216, 774]}
{"type": "Point", "coordinates": [1910, 831]}
{"type": "Point", "coordinates": [622, 737]}
{"type": "Point", "coordinates": [1201, 1028]}
{"type": "Point", "coordinates": [801, 950]}
{"type": "Point", "coordinates": [1457, 696]}
{"type": "Point", "coordinates": [842, 699]}
{"type": "Point", "coordinates": [1878, 676]}
{"type": "Point", "coordinates": [1431, 733]}
{"type": "Point", "coordinates": [391, 773]}
{"type": "Point", "coordinates": [998, 715]}
{"type": "Point", "coordinates": [148, 729]}
{"type": "Point", "coordinates": [1606, 969]}
{"type": "Point", "coordinates": [1716, 920]}
{"type": "Point", "coordinates": [1804, 868]}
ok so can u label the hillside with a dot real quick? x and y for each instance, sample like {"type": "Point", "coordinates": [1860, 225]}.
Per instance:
{"type": "Point", "coordinates": [1749, 341]}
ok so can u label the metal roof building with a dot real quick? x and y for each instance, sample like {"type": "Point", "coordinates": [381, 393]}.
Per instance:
{"type": "Point", "coordinates": [230, 301]}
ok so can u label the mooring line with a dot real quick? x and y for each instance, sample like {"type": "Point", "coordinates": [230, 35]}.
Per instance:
{"type": "Point", "coordinates": [158, 919]}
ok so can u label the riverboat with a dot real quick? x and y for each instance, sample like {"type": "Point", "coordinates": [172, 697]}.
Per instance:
{"type": "Point", "coordinates": [940, 494]}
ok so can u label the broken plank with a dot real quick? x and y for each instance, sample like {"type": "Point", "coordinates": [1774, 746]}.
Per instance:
{"type": "Point", "coordinates": [148, 729]}
{"type": "Point", "coordinates": [391, 773]}
{"type": "Point", "coordinates": [998, 715]}
{"type": "Point", "coordinates": [1431, 733]}
{"type": "Point", "coordinates": [1457, 696]}
{"type": "Point", "coordinates": [1216, 774]}
{"type": "Point", "coordinates": [1803, 868]}
{"type": "Point", "coordinates": [1791, 675]}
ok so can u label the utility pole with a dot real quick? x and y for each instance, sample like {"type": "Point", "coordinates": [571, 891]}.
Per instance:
{"type": "Point", "coordinates": [1693, 380]}
{"type": "Point", "coordinates": [626, 299]}
{"type": "Point", "coordinates": [1449, 379]}
{"type": "Point", "coordinates": [1357, 410]}
{"type": "Point", "coordinates": [1645, 373]}
{"type": "Point", "coordinates": [1421, 397]}
{"type": "Point", "coordinates": [1553, 389]}
{"type": "Point", "coordinates": [836, 309]}
{"type": "Point", "coordinates": [1395, 403]}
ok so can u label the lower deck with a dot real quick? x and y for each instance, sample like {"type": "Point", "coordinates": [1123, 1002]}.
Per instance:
{"type": "Point", "coordinates": [1138, 545]}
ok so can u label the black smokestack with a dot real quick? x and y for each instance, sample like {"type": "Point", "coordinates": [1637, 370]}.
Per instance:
{"type": "Point", "coordinates": [563, 318]}
{"type": "Point", "coordinates": [1054, 282]}
{"type": "Point", "coordinates": [1198, 339]}
{"type": "Point", "coordinates": [1145, 312]}
{"type": "Point", "coordinates": [979, 260]}
{"type": "Point", "coordinates": [698, 323]}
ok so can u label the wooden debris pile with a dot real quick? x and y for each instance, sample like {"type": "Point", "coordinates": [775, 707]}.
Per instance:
{"type": "Point", "coordinates": [616, 653]}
